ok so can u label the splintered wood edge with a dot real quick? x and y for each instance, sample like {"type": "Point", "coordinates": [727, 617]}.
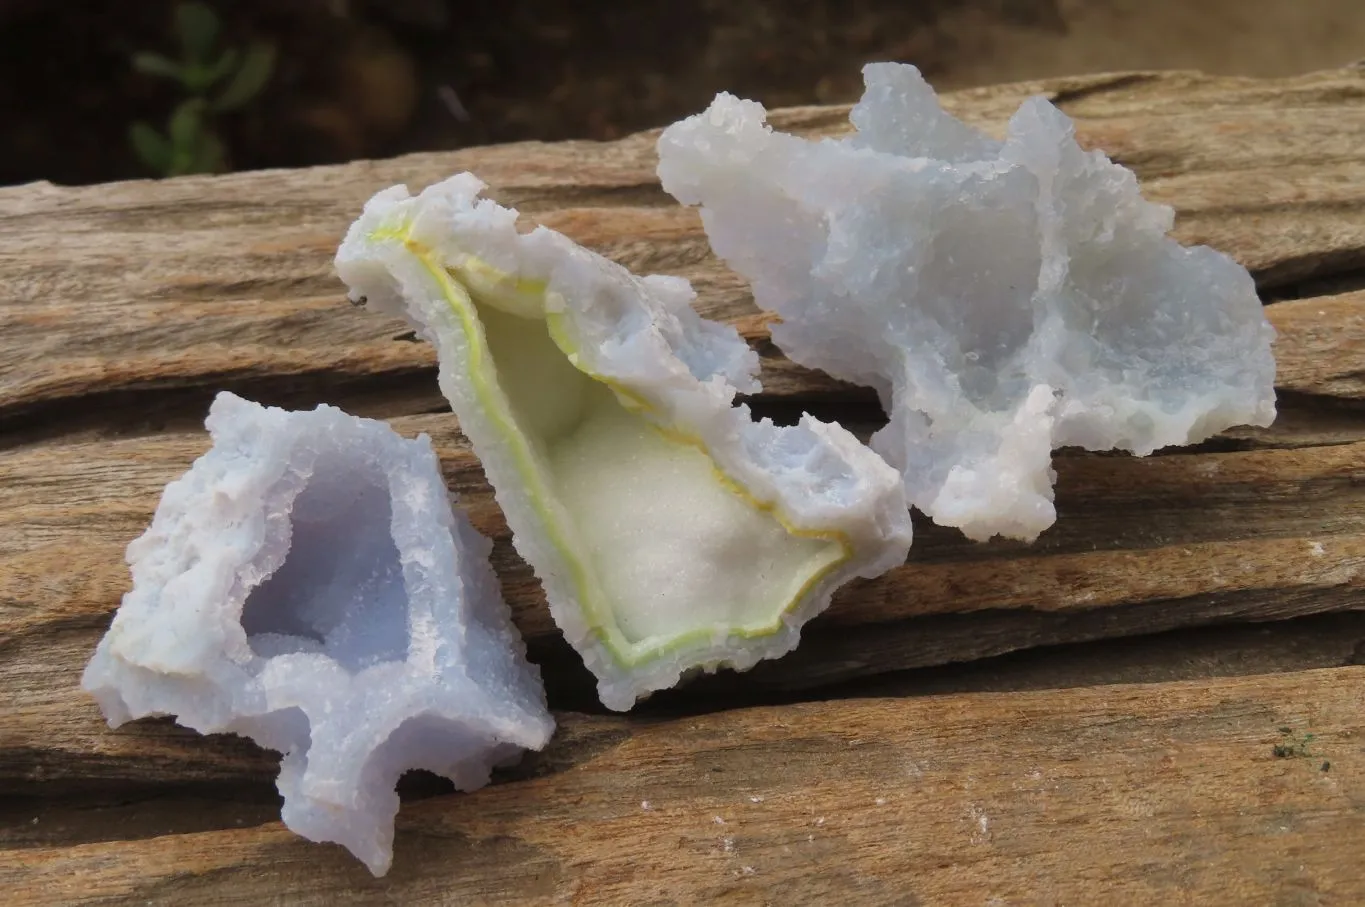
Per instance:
{"type": "Point", "coordinates": [1093, 795]}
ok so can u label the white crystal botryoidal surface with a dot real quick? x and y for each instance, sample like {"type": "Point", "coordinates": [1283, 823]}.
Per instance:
{"type": "Point", "coordinates": [1004, 298]}
{"type": "Point", "coordinates": [672, 532]}
{"type": "Point", "coordinates": [307, 584]}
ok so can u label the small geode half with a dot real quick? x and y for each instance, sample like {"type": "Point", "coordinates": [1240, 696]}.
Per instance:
{"type": "Point", "coordinates": [307, 584]}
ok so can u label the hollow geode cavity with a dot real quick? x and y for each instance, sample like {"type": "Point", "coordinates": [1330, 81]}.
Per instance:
{"type": "Point", "coordinates": [673, 533]}
{"type": "Point", "coordinates": [307, 584]}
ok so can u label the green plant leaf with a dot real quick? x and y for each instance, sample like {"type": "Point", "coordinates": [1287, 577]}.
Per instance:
{"type": "Point", "coordinates": [156, 65]}
{"type": "Point", "coordinates": [200, 77]}
{"type": "Point", "coordinates": [185, 125]}
{"type": "Point", "coordinates": [151, 147]}
{"type": "Point", "coordinates": [226, 64]}
{"type": "Point", "coordinates": [257, 65]}
{"type": "Point", "coordinates": [197, 25]}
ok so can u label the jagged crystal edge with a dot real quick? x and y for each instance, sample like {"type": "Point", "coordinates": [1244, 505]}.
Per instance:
{"type": "Point", "coordinates": [380, 639]}
{"type": "Point", "coordinates": [642, 334]}
{"type": "Point", "coordinates": [1003, 298]}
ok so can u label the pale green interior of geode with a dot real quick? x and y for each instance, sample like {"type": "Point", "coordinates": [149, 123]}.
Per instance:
{"type": "Point", "coordinates": [668, 548]}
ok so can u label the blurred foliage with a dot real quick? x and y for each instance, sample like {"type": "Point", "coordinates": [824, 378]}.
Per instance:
{"type": "Point", "coordinates": [213, 82]}
{"type": "Point", "coordinates": [217, 85]}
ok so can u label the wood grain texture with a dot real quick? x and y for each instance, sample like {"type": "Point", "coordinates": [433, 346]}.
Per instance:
{"type": "Point", "coordinates": [1142, 545]}
{"type": "Point", "coordinates": [1168, 793]}
{"type": "Point", "coordinates": [220, 281]}
{"type": "Point", "coordinates": [124, 307]}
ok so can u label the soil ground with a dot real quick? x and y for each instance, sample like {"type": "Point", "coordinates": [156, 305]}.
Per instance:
{"type": "Point", "coordinates": [369, 79]}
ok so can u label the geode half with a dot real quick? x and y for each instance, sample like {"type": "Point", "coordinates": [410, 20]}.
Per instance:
{"type": "Point", "coordinates": [307, 584]}
{"type": "Point", "coordinates": [672, 531]}
{"type": "Point", "coordinates": [1003, 298]}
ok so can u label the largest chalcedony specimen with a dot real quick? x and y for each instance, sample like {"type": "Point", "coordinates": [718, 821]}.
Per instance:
{"type": "Point", "coordinates": [1004, 298]}
{"type": "Point", "coordinates": [670, 530]}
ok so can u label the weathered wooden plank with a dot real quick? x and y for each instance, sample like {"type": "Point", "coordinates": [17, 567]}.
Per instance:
{"type": "Point", "coordinates": [1142, 545]}
{"type": "Point", "coordinates": [55, 740]}
{"type": "Point", "coordinates": [1163, 793]}
{"type": "Point", "coordinates": [123, 813]}
{"type": "Point", "coordinates": [1321, 345]}
{"type": "Point", "coordinates": [227, 280]}
{"type": "Point", "coordinates": [1225, 650]}
{"type": "Point", "coordinates": [1319, 352]}
{"type": "Point", "coordinates": [1130, 530]}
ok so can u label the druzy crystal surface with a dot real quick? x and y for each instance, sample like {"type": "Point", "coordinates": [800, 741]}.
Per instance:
{"type": "Point", "coordinates": [671, 531]}
{"type": "Point", "coordinates": [307, 584]}
{"type": "Point", "coordinates": [1004, 298]}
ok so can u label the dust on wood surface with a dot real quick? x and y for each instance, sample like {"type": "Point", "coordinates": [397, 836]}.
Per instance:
{"type": "Point", "coordinates": [124, 307]}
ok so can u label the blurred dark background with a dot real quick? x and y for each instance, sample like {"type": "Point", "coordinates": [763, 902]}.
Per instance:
{"type": "Point", "coordinates": [239, 84]}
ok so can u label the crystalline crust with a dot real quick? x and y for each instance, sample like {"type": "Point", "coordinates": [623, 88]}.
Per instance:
{"type": "Point", "coordinates": [1004, 298]}
{"type": "Point", "coordinates": [306, 584]}
{"type": "Point", "coordinates": [671, 532]}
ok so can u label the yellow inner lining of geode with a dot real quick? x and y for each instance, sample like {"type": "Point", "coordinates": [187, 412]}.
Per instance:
{"type": "Point", "coordinates": [664, 550]}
